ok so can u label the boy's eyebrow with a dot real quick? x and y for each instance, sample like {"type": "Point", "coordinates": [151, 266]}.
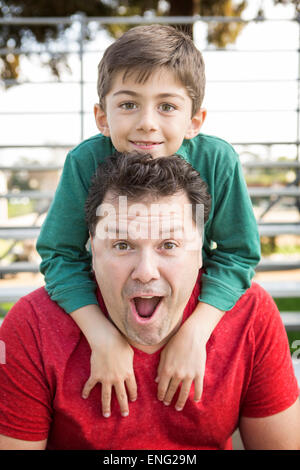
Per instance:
{"type": "Point", "coordinates": [160, 95]}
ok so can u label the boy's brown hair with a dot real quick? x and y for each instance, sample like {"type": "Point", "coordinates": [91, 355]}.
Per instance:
{"type": "Point", "coordinates": [144, 49]}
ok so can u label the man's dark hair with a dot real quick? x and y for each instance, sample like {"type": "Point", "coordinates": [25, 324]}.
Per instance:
{"type": "Point", "coordinates": [140, 176]}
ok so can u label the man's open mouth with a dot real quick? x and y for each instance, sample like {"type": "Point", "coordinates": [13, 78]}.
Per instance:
{"type": "Point", "coordinates": [145, 307]}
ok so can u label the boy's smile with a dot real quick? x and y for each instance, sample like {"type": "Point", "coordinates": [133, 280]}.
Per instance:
{"type": "Point", "coordinates": [153, 117]}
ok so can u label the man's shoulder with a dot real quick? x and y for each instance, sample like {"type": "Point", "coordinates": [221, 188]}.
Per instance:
{"type": "Point", "coordinates": [39, 298]}
{"type": "Point", "coordinates": [258, 305]}
{"type": "Point", "coordinates": [37, 309]}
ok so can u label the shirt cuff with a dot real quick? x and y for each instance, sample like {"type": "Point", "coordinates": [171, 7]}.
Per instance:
{"type": "Point", "coordinates": [72, 299]}
{"type": "Point", "coordinates": [218, 295]}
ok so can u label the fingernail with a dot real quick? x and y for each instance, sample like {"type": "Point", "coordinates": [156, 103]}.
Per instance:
{"type": "Point", "coordinates": [106, 415]}
{"type": "Point", "coordinates": [125, 414]}
{"type": "Point", "coordinates": [178, 408]}
{"type": "Point", "coordinates": [84, 397]}
{"type": "Point", "coordinates": [167, 403]}
{"type": "Point", "coordinates": [156, 379]}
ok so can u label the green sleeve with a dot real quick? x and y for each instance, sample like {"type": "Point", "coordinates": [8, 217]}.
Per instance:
{"type": "Point", "coordinates": [66, 262]}
{"type": "Point", "coordinates": [232, 226]}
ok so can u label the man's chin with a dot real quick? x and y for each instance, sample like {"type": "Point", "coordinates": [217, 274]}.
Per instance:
{"type": "Point", "coordinates": [150, 341]}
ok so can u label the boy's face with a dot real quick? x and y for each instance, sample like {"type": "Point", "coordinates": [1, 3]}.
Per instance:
{"type": "Point", "coordinates": [152, 117]}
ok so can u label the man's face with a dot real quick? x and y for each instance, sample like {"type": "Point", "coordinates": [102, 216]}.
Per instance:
{"type": "Point", "coordinates": [146, 258]}
{"type": "Point", "coordinates": [152, 117]}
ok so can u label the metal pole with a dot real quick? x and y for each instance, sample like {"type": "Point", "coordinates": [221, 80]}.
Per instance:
{"type": "Point", "coordinates": [82, 21]}
{"type": "Point", "coordinates": [298, 100]}
{"type": "Point", "coordinates": [298, 114]}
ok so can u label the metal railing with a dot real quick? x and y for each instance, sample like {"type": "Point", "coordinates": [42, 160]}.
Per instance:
{"type": "Point", "coordinates": [81, 50]}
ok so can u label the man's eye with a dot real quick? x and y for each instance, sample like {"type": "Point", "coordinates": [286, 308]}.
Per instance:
{"type": "Point", "coordinates": [122, 246]}
{"type": "Point", "coordinates": [166, 107]}
{"type": "Point", "coordinates": [128, 106]}
{"type": "Point", "coordinates": [169, 245]}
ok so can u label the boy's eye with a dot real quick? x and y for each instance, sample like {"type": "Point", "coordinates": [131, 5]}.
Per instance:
{"type": "Point", "coordinates": [128, 106]}
{"type": "Point", "coordinates": [166, 107]}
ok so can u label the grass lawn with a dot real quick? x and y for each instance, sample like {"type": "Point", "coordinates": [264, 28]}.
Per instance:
{"type": "Point", "coordinates": [290, 305]}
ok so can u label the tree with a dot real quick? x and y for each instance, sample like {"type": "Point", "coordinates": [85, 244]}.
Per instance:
{"type": "Point", "coordinates": [15, 36]}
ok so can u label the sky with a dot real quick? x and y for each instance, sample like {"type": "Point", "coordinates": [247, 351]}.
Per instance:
{"type": "Point", "coordinates": [250, 96]}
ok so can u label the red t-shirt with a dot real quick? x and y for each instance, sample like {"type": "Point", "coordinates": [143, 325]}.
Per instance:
{"type": "Point", "coordinates": [248, 372]}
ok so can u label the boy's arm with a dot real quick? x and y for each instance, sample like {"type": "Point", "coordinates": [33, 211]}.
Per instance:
{"type": "Point", "coordinates": [111, 360]}
{"type": "Point", "coordinates": [230, 263]}
{"type": "Point", "coordinates": [183, 360]}
{"type": "Point", "coordinates": [229, 268]}
{"type": "Point", "coordinates": [66, 265]}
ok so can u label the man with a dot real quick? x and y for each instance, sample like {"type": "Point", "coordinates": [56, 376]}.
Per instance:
{"type": "Point", "coordinates": [145, 226]}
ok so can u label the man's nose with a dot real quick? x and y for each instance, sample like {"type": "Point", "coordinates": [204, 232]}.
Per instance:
{"type": "Point", "coordinates": [147, 120]}
{"type": "Point", "coordinates": [146, 268]}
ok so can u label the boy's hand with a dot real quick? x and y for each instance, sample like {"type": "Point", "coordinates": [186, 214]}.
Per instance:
{"type": "Point", "coordinates": [111, 359]}
{"type": "Point", "coordinates": [183, 359]}
{"type": "Point", "coordinates": [112, 365]}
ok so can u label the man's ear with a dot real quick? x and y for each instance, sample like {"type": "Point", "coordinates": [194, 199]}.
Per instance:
{"type": "Point", "coordinates": [101, 120]}
{"type": "Point", "coordinates": [92, 249]}
{"type": "Point", "coordinates": [196, 124]}
{"type": "Point", "coordinates": [91, 243]}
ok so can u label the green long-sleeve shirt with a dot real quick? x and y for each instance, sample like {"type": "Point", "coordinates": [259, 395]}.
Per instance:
{"type": "Point", "coordinates": [66, 262]}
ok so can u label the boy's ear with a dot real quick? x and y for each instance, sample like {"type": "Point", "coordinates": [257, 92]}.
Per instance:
{"type": "Point", "coordinates": [196, 124]}
{"type": "Point", "coordinates": [101, 120]}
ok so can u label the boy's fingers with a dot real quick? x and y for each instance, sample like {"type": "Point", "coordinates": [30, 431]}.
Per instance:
{"type": "Point", "coordinates": [106, 399]}
{"type": "Point", "coordinates": [131, 388]}
{"type": "Point", "coordinates": [198, 388]}
{"type": "Point", "coordinates": [171, 391]}
{"type": "Point", "coordinates": [122, 398]}
{"type": "Point", "coordinates": [162, 387]}
{"type": "Point", "coordinates": [88, 386]}
{"type": "Point", "coordinates": [183, 395]}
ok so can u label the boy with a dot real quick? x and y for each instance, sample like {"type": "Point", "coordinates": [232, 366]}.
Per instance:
{"type": "Point", "coordinates": [151, 85]}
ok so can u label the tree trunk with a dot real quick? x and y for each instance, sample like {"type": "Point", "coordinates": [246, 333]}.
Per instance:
{"type": "Point", "coordinates": [185, 8]}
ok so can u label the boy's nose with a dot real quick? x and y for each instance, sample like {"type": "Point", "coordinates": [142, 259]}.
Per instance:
{"type": "Point", "coordinates": [146, 268]}
{"type": "Point", "coordinates": [147, 121]}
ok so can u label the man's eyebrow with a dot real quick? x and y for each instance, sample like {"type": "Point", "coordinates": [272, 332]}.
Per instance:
{"type": "Point", "coordinates": [160, 95]}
